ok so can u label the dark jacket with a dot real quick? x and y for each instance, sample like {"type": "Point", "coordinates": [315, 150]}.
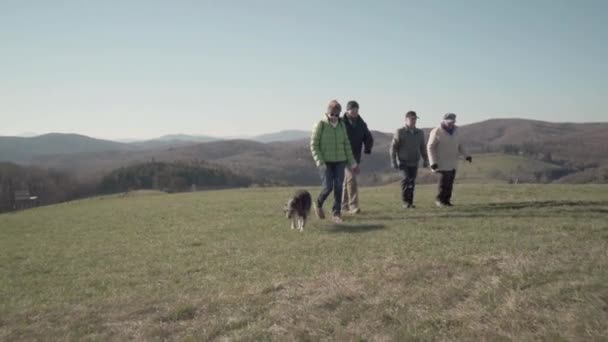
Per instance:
{"type": "Point", "coordinates": [408, 147]}
{"type": "Point", "coordinates": [359, 136]}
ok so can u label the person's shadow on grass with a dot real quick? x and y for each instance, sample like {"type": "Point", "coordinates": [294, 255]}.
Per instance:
{"type": "Point", "coordinates": [355, 228]}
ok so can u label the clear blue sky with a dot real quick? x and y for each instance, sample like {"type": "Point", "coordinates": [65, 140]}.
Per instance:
{"type": "Point", "coordinates": [121, 69]}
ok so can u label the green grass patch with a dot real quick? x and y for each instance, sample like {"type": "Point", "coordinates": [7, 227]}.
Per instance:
{"type": "Point", "coordinates": [509, 262]}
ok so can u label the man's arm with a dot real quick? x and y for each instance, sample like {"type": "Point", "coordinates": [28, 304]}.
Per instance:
{"type": "Point", "coordinates": [432, 147]}
{"type": "Point", "coordinates": [423, 152]}
{"type": "Point", "coordinates": [394, 150]}
{"type": "Point", "coordinates": [368, 141]}
{"type": "Point", "coordinates": [348, 149]}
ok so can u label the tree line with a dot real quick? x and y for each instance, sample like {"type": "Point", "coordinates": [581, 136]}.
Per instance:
{"type": "Point", "coordinates": [170, 177]}
{"type": "Point", "coordinates": [51, 186]}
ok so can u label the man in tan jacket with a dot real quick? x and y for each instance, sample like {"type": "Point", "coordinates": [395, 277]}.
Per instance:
{"type": "Point", "coordinates": [444, 148]}
{"type": "Point", "coordinates": [361, 140]}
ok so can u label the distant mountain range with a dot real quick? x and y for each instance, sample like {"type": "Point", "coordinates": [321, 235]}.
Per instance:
{"type": "Point", "coordinates": [26, 148]}
{"type": "Point", "coordinates": [287, 135]}
{"type": "Point", "coordinates": [20, 149]}
{"type": "Point", "coordinates": [28, 134]}
{"type": "Point", "coordinates": [185, 137]}
{"type": "Point", "coordinates": [284, 157]}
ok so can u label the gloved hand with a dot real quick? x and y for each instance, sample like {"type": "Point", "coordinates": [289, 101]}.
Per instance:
{"type": "Point", "coordinates": [425, 164]}
{"type": "Point", "coordinates": [469, 159]}
{"type": "Point", "coordinates": [434, 167]}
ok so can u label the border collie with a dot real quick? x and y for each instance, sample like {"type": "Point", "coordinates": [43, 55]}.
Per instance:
{"type": "Point", "coordinates": [297, 209]}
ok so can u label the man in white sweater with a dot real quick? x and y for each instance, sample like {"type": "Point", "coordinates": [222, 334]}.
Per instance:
{"type": "Point", "coordinates": [444, 148]}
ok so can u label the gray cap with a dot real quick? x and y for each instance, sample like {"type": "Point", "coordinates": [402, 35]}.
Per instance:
{"type": "Point", "coordinates": [449, 117]}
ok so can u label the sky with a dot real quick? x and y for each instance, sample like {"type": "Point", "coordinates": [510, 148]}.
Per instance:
{"type": "Point", "coordinates": [142, 69]}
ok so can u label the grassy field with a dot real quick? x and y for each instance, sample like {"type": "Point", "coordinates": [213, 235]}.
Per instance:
{"type": "Point", "coordinates": [487, 168]}
{"type": "Point", "coordinates": [493, 167]}
{"type": "Point", "coordinates": [516, 262]}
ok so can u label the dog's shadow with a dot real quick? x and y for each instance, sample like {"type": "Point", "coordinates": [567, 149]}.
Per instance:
{"type": "Point", "coordinates": [355, 228]}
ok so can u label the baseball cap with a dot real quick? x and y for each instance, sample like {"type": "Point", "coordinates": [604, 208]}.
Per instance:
{"type": "Point", "coordinates": [449, 117]}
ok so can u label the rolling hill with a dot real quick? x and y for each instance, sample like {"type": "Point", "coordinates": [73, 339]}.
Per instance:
{"type": "Point", "coordinates": [289, 135]}
{"type": "Point", "coordinates": [173, 140]}
{"type": "Point", "coordinates": [185, 139]}
{"type": "Point", "coordinates": [572, 148]}
{"type": "Point", "coordinates": [568, 141]}
{"type": "Point", "coordinates": [511, 131]}
{"type": "Point", "coordinates": [21, 149]}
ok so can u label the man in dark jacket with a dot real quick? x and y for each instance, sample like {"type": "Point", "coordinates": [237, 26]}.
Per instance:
{"type": "Point", "coordinates": [361, 140]}
{"type": "Point", "coordinates": [406, 149]}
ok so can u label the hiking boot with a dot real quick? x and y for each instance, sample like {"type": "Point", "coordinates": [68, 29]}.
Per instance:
{"type": "Point", "coordinates": [319, 212]}
{"type": "Point", "coordinates": [337, 219]}
{"type": "Point", "coordinates": [354, 211]}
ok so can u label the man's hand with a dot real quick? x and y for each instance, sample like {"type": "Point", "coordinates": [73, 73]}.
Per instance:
{"type": "Point", "coordinates": [322, 167]}
{"type": "Point", "coordinates": [367, 151]}
{"type": "Point", "coordinates": [469, 159]}
{"type": "Point", "coordinates": [425, 164]}
{"type": "Point", "coordinates": [395, 166]}
{"type": "Point", "coordinates": [356, 170]}
{"type": "Point", "coordinates": [434, 167]}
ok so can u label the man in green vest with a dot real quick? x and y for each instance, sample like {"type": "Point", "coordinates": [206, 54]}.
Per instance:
{"type": "Point", "coordinates": [332, 153]}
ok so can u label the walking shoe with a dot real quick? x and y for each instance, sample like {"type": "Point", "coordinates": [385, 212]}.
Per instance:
{"type": "Point", "coordinates": [337, 219]}
{"type": "Point", "coordinates": [440, 204]}
{"type": "Point", "coordinates": [354, 211]}
{"type": "Point", "coordinates": [408, 206]}
{"type": "Point", "coordinates": [449, 204]}
{"type": "Point", "coordinates": [319, 212]}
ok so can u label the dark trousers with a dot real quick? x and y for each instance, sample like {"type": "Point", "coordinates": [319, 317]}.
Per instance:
{"type": "Point", "coordinates": [408, 183]}
{"type": "Point", "coordinates": [332, 180]}
{"type": "Point", "coordinates": [446, 184]}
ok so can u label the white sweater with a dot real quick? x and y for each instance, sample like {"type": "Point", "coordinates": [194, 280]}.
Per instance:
{"type": "Point", "coordinates": [444, 149]}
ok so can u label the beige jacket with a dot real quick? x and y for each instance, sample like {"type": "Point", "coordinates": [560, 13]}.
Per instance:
{"type": "Point", "coordinates": [444, 149]}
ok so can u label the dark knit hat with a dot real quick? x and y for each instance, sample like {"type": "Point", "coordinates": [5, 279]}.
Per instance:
{"type": "Point", "coordinates": [351, 105]}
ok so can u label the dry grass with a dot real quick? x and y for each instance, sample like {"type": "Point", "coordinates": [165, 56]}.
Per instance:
{"type": "Point", "coordinates": [510, 263]}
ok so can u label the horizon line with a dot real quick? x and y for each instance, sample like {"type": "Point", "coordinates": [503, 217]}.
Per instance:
{"type": "Point", "coordinates": [253, 136]}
